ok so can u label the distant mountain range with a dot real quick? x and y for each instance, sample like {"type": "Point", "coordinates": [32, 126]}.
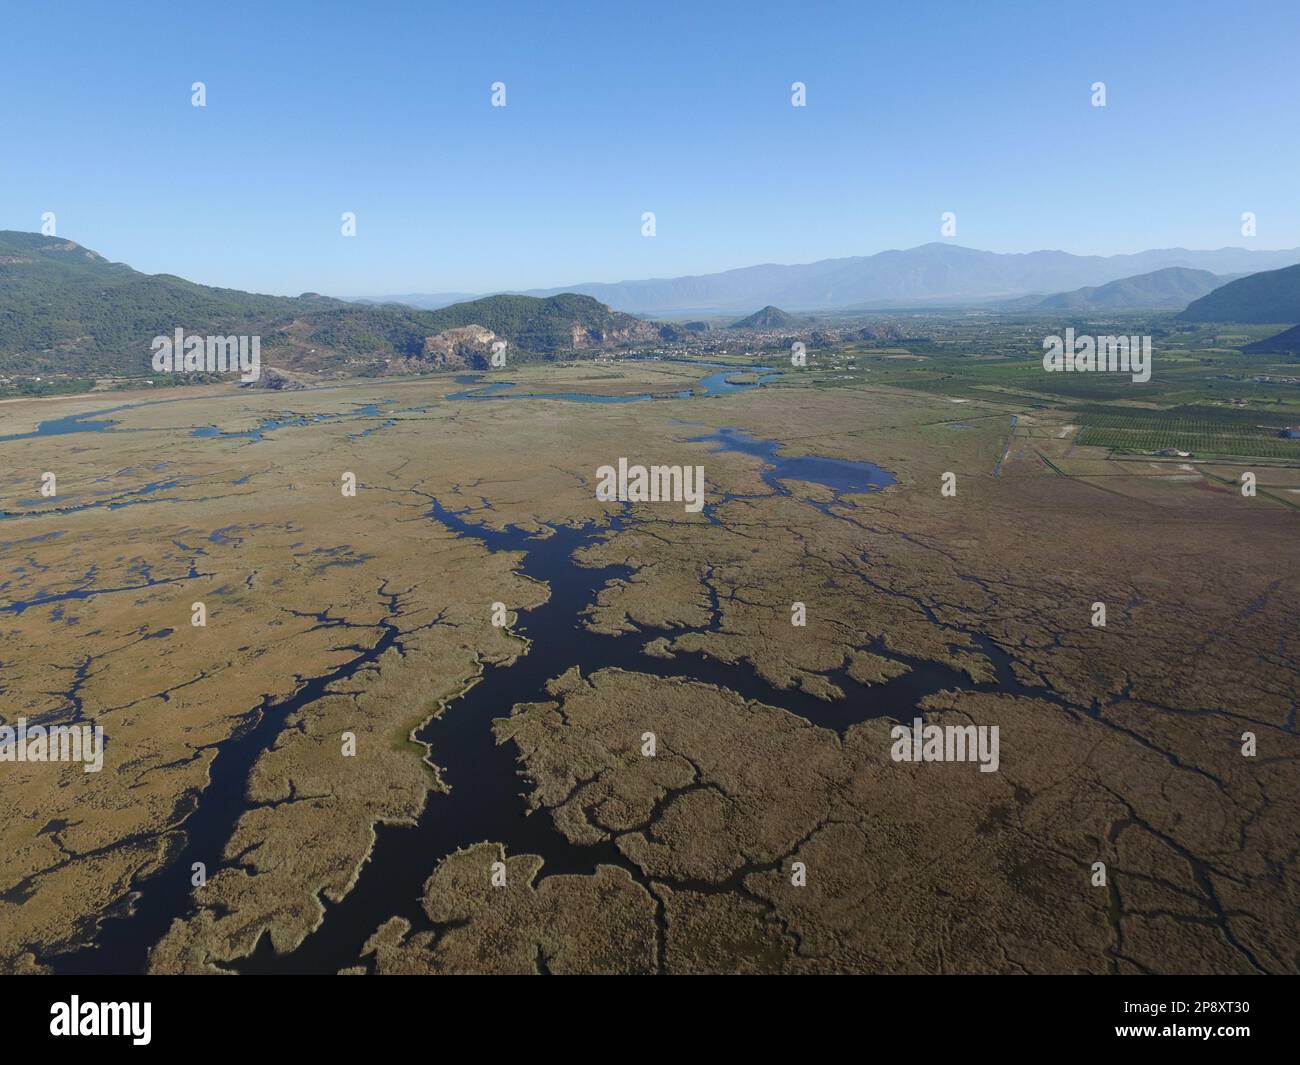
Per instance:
{"type": "Point", "coordinates": [933, 274]}
{"type": "Point", "coordinates": [1271, 296]}
{"type": "Point", "coordinates": [66, 309]}
{"type": "Point", "coordinates": [428, 301]}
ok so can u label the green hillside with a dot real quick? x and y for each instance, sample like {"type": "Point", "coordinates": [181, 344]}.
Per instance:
{"type": "Point", "coordinates": [67, 310]}
{"type": "Point", "coordinates": [1171, 288]}
{"type": "Point", "coordinates": [545, 325]}
{"type": "Point", "coordinates": [1286, 342]}
{"type": "Point", "coordinates": [1271, 296]}
{"type": "Point", "coordinates": [64, 308]}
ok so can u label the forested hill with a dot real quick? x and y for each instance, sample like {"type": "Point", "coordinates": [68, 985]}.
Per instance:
{"type": "Point", "coordinates": [1271, 296]}
{"type": "Point", "coordinates": [67, 309]}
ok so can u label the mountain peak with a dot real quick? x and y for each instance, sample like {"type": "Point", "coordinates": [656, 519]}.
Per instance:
{"type": "Point", "coordinates": [769, 317]}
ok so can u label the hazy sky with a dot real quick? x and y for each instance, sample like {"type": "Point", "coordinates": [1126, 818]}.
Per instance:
{"type": "Point", "coordinates": [614, 109]}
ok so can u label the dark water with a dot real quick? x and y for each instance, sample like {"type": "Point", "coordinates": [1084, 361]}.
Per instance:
{"type": "Point", "coordinates": [721, 383]}
{"type": "Point", "coordinates": [257, 434]}
{"type": "Point", "coordinates": [96, 422]}
{"type": "Point", "coordinates": [714, 384]}
{"type": "Point", "coordinates": [89, 421]}
{"type": "Point", "coordinates": [88, 589]}
{"type": "Point", "coordinates": [211, 432]}
{"type": "Point", "coordinates": [486, 800]}
{"type": "Point", "coordinates": [120, 500]}
{"type": "Point", "coordinates": [842, 476]}
{"type": "Point", "coordinates": [209, 821]}
{"type": "Point", "coordinates": [73, 423]}
{"type": "Point", "coordinates": [502, 390]}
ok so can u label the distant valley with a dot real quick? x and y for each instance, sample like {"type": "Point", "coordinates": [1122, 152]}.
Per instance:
{"type": "Point", "coordinates": [67, 314]}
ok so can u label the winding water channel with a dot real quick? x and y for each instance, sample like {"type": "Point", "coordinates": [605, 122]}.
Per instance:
{"type": "Point", "coordinates": [486, 800]}
{"type": "Point", "coordinates": [718, 383]}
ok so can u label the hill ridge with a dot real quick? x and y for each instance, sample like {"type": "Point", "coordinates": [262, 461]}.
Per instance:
{"type": "Point", "coordinates": [65, 308]}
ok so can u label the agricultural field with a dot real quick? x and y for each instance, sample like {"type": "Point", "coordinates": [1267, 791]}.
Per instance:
{"type": "Point", "coordinates": [1203, 398]}
{"type": "Point", "coordinates": [1200, 430]}
{"type": "Point", "coordinates": [1198, 444]}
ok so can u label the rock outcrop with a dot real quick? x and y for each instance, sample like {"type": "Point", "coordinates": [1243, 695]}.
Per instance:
{"type": "Point", "coordinates": [467, 346]}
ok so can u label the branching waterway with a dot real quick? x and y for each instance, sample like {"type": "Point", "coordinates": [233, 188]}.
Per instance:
{"type": "Point", "coordinates": [485, 800]}
{"type": "Point", "coordinates": [719, 383]}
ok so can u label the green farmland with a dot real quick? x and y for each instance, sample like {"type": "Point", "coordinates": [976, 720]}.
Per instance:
{"type": "Point", "coordinates": [1204, 431]}
{"type": "Point", "coordinates": [1201, 445]}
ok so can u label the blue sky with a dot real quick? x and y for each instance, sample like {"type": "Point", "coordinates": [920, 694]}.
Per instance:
{"type": "Point", "coordinates": [614, 109]}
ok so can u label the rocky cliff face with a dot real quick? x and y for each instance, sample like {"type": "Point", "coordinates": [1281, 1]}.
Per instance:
{"type": "Point", "coordinates": [625, 332]}
{"type": "Point", "coordinates": [277, 380]}
{"type": "Point", "coordinates": [466, 347]}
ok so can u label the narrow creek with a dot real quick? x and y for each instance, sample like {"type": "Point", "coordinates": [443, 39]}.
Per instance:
{"type": "Point", "coordinates": [124, 938]}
